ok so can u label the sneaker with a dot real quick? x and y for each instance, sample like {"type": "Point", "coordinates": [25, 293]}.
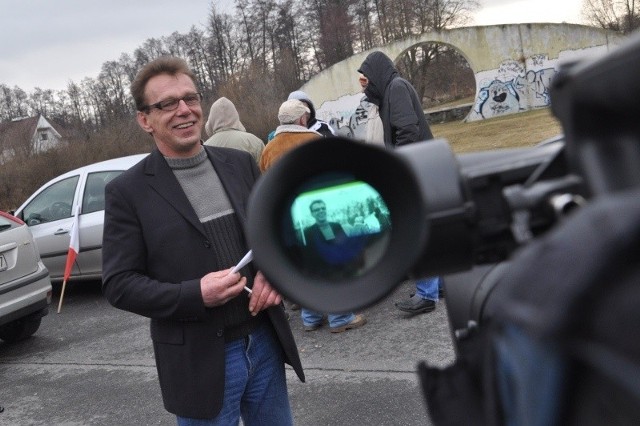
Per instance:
{"type": "Point", "coordinates": [358, 321]}
{"type": "Point", "coordinates": [416, 305]}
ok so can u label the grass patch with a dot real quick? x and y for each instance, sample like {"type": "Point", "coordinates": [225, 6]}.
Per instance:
{"type": "Point", "coordinates": [509, 131]}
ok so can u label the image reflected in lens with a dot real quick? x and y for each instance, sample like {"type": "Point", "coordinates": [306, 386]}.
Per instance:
{"type": "Point", "coordinates": [337, 227]}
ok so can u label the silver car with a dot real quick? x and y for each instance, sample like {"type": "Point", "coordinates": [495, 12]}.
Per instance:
{"type": "Point", "coordinates": [25, 288]}
{"type": "Point", "coordinates": [49, 213]}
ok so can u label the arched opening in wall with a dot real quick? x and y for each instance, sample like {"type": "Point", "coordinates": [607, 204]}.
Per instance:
{"type": "Point", "coordinates": [441, 75]}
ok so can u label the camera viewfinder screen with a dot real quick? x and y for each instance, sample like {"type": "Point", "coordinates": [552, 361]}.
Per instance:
{"type": "Point", "coordinates": [341, 228]}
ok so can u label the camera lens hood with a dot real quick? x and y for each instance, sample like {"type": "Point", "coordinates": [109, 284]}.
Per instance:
{"type": "Point", "coordinates": [316, 165]}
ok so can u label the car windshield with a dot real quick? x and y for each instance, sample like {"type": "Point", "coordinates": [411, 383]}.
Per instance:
{"type": "Point", "coordinates": [53, 203]}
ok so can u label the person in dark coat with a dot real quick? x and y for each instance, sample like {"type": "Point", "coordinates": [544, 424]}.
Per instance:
{"type": "Point", "coordinates": [403, 122]}
{"type": "Point", "coordinates": [173, 229]}
{"type": "Point", "coordinates": [401, 112]}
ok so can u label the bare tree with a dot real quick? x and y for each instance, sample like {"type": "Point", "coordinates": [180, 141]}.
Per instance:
{"type": "Point", "coordinates": [195, 46]}
{"type": "Point", "coordinates": [336, 30]}
{"type": "Point", "coordinates": [617, 15]}
{"type": "Point", "coordinates": [242, 8]}
{"type": "Point", "coordinates": [438, 72]}
{"type": "Point", "coordinates": [331, 23]}
{"type": "Point", "coordinates": [151, 49]}
{"type": "Point", "coordinates": [113, 83]}
{"type": "Point", "coordinates": [289, 48]}
{"type": "Point", "coordinates": [78, 109]}
{"type": "Point", "coordinates": [271, 45]}
{"type": "Point", "coordinates": [438, 15]}
{"type": "Point", "coordinates": [222, 47]}
{"type": "Point", "coordinates": [41, 101]}
{"type": "Point", "coordinates": [365, 25]}
{"type": "Point", "coordinates": [6, 102]}
{"type": "Point", "coordinates": [13, 102]}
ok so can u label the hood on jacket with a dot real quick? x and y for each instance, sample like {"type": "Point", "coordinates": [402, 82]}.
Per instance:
{"type": "Point", "coordinates": [223, 115]}
{"type": "Point", "coordinates": [380, 70]}
{"type": "Point", "coordinates": [302, 96]}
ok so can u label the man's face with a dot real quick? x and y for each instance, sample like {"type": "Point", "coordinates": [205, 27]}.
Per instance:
{"type": "Point", "coordinates": [319, 212]}
{"type": "Point", "coordinates": [176, 133]}
{"type": "Point", "coordinates": [363, 81]}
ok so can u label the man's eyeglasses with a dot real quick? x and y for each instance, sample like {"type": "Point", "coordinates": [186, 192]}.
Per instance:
{"type": "Point", "coordinates": [318, 209]}
{"type": "Point", "coordinates": [172, 103]}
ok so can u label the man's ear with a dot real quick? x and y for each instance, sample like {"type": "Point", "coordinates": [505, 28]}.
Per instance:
{"type": "Point", "coordinates": [141, 118]}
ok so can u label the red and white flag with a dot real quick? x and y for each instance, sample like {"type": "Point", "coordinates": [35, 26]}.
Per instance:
{"type": "Point", "coordinates": [74, 247]}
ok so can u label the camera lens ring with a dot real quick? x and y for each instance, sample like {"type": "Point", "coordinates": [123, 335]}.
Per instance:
{"type": "Point", "coordinates": [373, 165]}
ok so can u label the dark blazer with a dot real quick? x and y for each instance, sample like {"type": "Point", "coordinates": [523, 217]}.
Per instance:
{"type": "Point", "coordinates": [313, 232]}
{"type": "Point", "coordinates": [155, 250]}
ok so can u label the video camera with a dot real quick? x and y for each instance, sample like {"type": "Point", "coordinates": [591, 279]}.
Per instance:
{"type": "Point", "coordinates": [447, 213]}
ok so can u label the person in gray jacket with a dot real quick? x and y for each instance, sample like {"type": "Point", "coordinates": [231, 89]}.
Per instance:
{"type": "Point", "coordinates": [225, 129]}
{"type": "Point", "coordinates": [403, 118]}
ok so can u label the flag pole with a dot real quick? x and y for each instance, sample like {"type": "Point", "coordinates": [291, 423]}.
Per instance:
{"type": "Point", "coordinates": [64, 284]}
{"type": "Point", "coordinates": [74, 248]}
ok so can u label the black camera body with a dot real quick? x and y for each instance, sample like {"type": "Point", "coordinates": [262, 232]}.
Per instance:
{"type": "Point", "coordinates": [448, 212]}
{"type": "Point", "coordinates": [423, 211]}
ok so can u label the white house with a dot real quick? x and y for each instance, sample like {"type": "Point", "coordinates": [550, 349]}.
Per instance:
{"type": "Point", "coordinates": [31, 135]}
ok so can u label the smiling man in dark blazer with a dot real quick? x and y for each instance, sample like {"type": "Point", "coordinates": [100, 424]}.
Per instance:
{"type": "Point", "coordinates": [173, 230]}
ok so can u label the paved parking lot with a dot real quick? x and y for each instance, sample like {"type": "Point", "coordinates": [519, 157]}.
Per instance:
{"type": "Point", "coordinates": [93, 365]}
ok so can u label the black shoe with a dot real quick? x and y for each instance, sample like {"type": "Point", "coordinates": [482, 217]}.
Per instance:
{"type": "Point", "coordinates": [416, 305]}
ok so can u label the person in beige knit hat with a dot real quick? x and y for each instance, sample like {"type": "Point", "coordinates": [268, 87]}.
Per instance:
{"type": "Point", "coordinates": [291, 132]}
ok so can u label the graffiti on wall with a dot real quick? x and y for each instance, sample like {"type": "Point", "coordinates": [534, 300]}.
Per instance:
{"type": "Point", "coordinates": [514, 86]}
{"type": "Point", "coordinates": [347, 115]}
{"type": "Point", "coordinates": [517, 86]}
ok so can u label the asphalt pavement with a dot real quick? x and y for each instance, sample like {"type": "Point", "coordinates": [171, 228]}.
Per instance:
{"type": "Point", "coordinates": [93, 365]}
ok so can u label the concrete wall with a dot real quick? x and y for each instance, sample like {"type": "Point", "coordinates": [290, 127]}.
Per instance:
{"type": "Point", "coordinates": [513, 65]}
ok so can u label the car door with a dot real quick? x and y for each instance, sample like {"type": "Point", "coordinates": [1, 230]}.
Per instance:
{"type": "Point", "coordinates": [92, 222]}
{"type": "Point", "coordinates": [49, 216]}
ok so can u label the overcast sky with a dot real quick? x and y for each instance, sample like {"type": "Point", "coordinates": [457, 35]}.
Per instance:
{"type": "Point", "coordinates": [47, 43]}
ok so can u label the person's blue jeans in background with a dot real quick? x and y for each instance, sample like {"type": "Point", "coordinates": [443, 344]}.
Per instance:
{"type": "Point", "coordinates": [310, 318]}
{"type": "Point", "coordinates": [255, 384]}
{"type": "Point", "coordinates": [428, 288]}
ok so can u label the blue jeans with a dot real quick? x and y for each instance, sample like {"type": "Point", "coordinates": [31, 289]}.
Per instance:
{"type": "Point", "coordinates": [310, 317]}
{"type": "Point", "coordinates": [255, 384]}
{"type": "Point", "coordinates": [427, 288]}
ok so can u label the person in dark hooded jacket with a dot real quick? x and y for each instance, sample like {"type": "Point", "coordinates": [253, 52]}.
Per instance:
{"type": "Point", "coordinates": [403, 122]}
{"type": "Point", "coordinates": [403, 119]}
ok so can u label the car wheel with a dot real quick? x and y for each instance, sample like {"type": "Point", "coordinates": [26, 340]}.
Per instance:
{"type": "Point", "coordinates": [19, 329]}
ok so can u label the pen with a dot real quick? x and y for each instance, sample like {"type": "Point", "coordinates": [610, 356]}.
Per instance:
{"type": "Point", "coordinates": [245, 260]}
